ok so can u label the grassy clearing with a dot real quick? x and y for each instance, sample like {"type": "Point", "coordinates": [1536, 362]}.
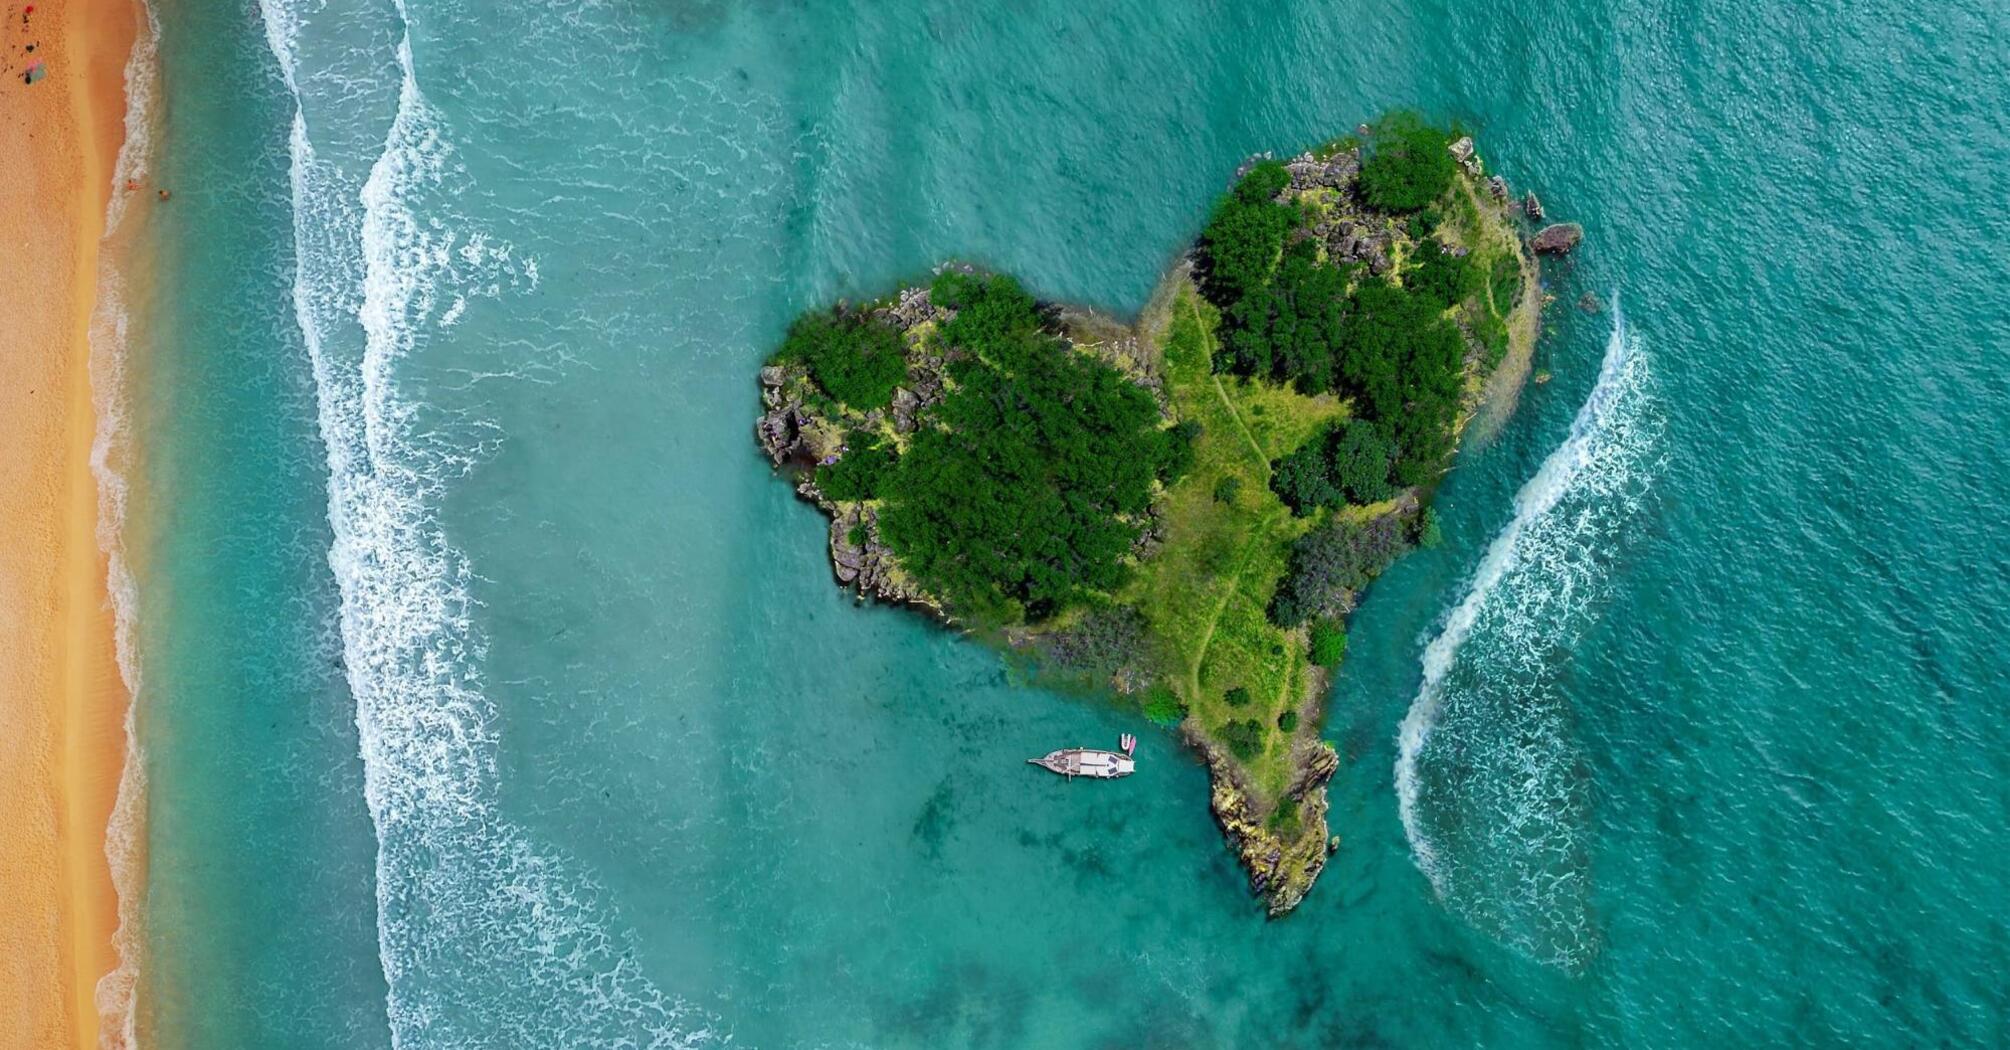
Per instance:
{"type": "Point", "coordinates": [1206, 592]}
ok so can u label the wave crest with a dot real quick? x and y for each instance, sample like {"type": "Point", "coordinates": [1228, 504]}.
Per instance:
{"type": "Point", "coordinates": [485, 937]}
{"type": "Point", "coordinates": [1489, 778]}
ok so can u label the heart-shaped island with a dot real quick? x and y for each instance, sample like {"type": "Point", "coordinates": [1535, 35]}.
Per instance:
{"type": "Point", "coordinates": [1182, 511]}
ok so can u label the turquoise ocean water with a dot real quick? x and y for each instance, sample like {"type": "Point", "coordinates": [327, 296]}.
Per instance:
{"type": "Point", "coordinates": [495, 695]}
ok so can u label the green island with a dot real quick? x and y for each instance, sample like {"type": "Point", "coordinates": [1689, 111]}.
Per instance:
{"type": "Point", "coordinates": [1182, 512]}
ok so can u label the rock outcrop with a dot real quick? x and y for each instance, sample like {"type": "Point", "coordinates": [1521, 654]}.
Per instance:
{"type": "Point", "coordinates": [1284, 849]}
{"type": "Point", "coordinates": [1557, 239]}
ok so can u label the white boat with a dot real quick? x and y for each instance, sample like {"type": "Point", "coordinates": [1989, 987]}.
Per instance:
{"type": "Point", "coordinates": [1072, 762]}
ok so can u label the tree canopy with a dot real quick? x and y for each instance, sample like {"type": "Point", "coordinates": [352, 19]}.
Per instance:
{"type": "Point", "coordinates": [856, 358]}
{"type": "Point", "coordinates": [1409, 166]}
{"type": "Point", "coordinates": [1023, 491]}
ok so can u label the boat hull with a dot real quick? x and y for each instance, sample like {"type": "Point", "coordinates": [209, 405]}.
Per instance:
{"type": "Point", "coordinates": [1074, 762]}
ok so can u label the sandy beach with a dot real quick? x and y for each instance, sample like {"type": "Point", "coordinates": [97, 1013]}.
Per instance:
{"type": "Point", "coordinates": [62, 702]}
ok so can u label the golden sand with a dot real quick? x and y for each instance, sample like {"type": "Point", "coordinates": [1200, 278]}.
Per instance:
{"type": "Point", "coordinates": [62, 703]}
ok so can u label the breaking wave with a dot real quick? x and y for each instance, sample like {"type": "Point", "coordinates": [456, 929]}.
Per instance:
{"type": "Point", "coordinates": [1489, 779]}
{"type": "Point", "coordinates": [117, 993]}
{"type": "Point", "coordinates": [486, 938]}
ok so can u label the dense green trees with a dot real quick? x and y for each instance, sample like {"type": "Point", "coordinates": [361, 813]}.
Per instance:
{"type": "Point", "coordinates": [1022, 493]}
{"type": "Point", "coordinates": [857, 359]}
{"type": "Point", "coordinates": [858, 473]}
{"type": "Point", "coordinates": [1404, 362]}
{"type": "Point", "coordinates": [1290, 315]}
{"type": "Point", "coordinates": [1246, 231]}
{"type": "Point", "coordinates": [1332, 562]}
{"type": "Point", "coordinates": [1289, 327]}
{"type": "Point", "coordinates": [1348, 463]}
{"type": "Point", "coordinates": [1409, 166]}
{"type": "Point", "coordinates": [1442, 277]}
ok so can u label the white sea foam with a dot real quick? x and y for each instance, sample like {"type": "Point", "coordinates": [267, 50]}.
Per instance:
{"type": "Point", "coordinates": [485, 937]}
{"type": "Point", "coordinates": [116, 994]}
{"type": "Point", "coordinates": [1488, 778]}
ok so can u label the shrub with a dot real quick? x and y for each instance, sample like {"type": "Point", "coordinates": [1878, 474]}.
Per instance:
{"type": "Point", "coordinates": [1244, 738]}
{"type": "Point", "coordinates": [1428, 533]}
{"type": "Point", "coordinates": [1163, 707]}
{"type": "Point", "coordinates": [1409, 166]}
{"type": "Point", "coordinates": [1332, 562]}
{"type": "Point", "coordinates": [1329, 643]}
{"type": "Point", "coordinates": [856, 358]}
{"type": "Point", "coordinates": [1443, 277]}
{"type": "Point", "coordinates": [1236, 697]}
{"type": "Point", "coordinates": [859, 473]}
{"type": "Point", "coordinates": [1226, 489]}
{"type": "Point", "coordinates": [1288, 721]}
{"type": "Point", "coordinates": [1175, 456]}
{"type": "Point", "coordinates": [1284, 818]}
{"type": "Point", "coordinates": [1102, 644]}
{"type": "Point", "coordinates": [1360, 461]}
{"type": "Point", "coordinates": [1304, 478]}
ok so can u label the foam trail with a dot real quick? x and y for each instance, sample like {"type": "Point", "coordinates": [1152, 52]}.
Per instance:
{"type": "Point", "coordinates": [1499, 830]}
{"type": "Point", "coordinates": [117, 993]}
{"type": "Point", "coordinates": [485, 938]}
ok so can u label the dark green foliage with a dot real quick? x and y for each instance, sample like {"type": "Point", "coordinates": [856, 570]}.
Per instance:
{"type": "Point", "coordinates": [1284, 818]}
{"type": "Point", "coordinates": [1236, 697]}
{"type": "Point", "coordinates": [1175, 451]}
{"type": "Point", "coordinates": [1304, 479]}
{"type": "Point", "coordinates": [856, 358]}
{"type": "Point", "coordinates": [1288, 328]}
{"type": "Point", "coordinates": [858, 474]}
{"type": "Point", "coordinates": [1360, 462]}
{"type": "Point", "coordinates": [1106, 642]}
{"type": "Point", "coordinates": [1163, 707]}
{"type": "Point", "coordinates": [1505, 284]}
{"type": "Point", "coordinates": [1428, 534]}
{"type": "Point", "coordinates": [1288, 721]}
{"type": "Point", "coordinates": [1244, 235]}
{"type": "Point", "coordinates": [1227, 488]}
{"type": "Point", "coordinates": [1403, 362]}
{"type": "Point", "coordinates": [1329, 643]}
{"type": "Point", "coordinates": [1409, 167]}
{"type": "Point", "coordinates": [1443, 277]}
{"type": "Point", "coordinates": [1244, 738]}
{"type": "Point", "coordinates": [1020, 496]}
{"type": "Point", "coordinates": [1332, 562]}
{"type": "Point", "coordinates": [1348, 463]}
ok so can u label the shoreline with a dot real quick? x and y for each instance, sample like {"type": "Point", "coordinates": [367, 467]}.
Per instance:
{"type": "Point", "coordinates": [64, 706]}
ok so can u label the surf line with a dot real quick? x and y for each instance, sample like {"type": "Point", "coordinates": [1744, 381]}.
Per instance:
{"type": "Point", "coordinates": [1601, 426]}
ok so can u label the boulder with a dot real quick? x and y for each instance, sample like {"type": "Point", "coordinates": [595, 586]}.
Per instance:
{"type": "Point", "coordinates": [1557, 239]}
{"type": "Point", "coordinates": [1532, 206]}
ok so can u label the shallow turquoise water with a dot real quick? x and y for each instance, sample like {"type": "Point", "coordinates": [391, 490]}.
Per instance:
{"type": "Point", "coordinates": [496, 695]}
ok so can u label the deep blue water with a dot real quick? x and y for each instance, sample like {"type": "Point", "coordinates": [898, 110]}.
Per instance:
{"type": "Point", "coordinates": [495, 694]}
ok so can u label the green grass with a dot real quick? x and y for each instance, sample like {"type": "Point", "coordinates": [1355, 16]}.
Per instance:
{"type": "Point", "coordinates": [1206, 591]}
